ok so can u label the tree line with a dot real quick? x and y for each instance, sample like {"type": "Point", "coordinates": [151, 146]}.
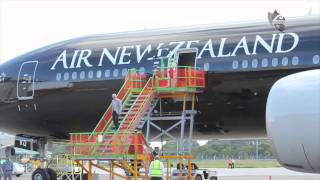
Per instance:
{"type": "Point", "coordinates": [227, 149]}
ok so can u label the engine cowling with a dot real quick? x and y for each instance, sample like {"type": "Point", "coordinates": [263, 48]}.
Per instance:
{"type": "Point", "coordinates": [293, 121]}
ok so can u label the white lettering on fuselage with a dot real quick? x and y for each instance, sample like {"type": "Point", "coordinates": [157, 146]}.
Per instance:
{"type": "Point", "coordinates": [112, 59]}
{"type": "Point", "coordinates": [207, 48]}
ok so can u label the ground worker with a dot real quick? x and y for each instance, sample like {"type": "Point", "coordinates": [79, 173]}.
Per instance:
{"type": "Point", "coordinates": [172, 65]}
{"type": "Point", "coordinates": [229, 162]}
{"type": "Point", "coordinates": [232, 163]}
{"type": "Point", "coordinates": [156, 169]}
{"type": "Point", "coordinates": [7, 168]}
{"type": "Point", "coordinates": [116, 110]}
{"type": "Point", "coordinates": [156, 151]}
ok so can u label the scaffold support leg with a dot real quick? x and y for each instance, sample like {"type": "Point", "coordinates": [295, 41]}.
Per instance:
{"type": "Point", "coordinates": [111, 171]}
{"type": "Point", "coordinates": [90, 170]}
{"type": "Point", "coordinates": [181, 143]}
{"type": "Point", "coordinates": [180, 168]}
{"type": "Point", "coordinates": [191, 132]}
{"type": "Point", "coordinates": [135, 169]}
{"type": "Point", "coordinates": [168, 165]}
{"type": "Point", "coordinates": [189, 169]}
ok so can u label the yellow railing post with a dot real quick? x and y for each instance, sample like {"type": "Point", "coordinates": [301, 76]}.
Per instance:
{"type": "Point", "coordinates": [189, 168]}
{"type": "Point", "coordinates": [111, 170]}
{"type": "Point", "coordinates": [135, 169]}
{"type": "Point", "coordinates": [168, 165]}
{"type": "Point", "coordinates": [90, 170]}
{"type": "Point", "coordinates": [180, 168]}
{"type": "Point", "coordinates": [193, 100]}
{"type": "Point", "coordinates": [184, 102]}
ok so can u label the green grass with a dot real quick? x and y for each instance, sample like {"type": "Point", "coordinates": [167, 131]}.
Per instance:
{"type": "Point", "coordinates": [238, 163]}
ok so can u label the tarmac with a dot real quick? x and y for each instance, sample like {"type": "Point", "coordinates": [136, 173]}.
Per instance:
{"type": "Point", "coordinates": [240, 174]}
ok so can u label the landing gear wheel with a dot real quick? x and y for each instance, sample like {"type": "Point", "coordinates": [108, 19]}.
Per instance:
{"type": "Point", "coordinates": [52, 174]}
{"type": "Point", "coordinates": [40, 174]}
{"type": "Point", "coordinates": [198, 177]}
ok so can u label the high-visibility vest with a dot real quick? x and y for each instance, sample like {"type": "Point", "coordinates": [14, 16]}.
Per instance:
{"type": "Point", "coordinates": [156, 169]}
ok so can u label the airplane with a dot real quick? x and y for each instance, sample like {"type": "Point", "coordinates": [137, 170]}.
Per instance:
{"type": "Point", "coordinates": [65, 87]}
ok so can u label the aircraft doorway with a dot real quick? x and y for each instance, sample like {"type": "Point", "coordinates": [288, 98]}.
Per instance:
{"type": "Point", "coordinates": [25, 81]}
{"type": "Point", "coordinates": [186, 57]}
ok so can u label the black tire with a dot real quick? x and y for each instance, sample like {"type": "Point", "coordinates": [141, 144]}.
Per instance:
{"type": "Point", "coordinates": [198, 177]}
{"type": "Point", "coordinates": [40, 174]}
{"type": "Point", "coordinates": [52, 173]}
{"type": "Point", "coordinates": [18, 175]}
{"type": "Point", "coordinates": [213, 178]}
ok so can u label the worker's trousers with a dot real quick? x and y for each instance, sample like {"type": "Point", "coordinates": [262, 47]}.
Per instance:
{"type": "Point", "coordinates": [115, 118]}
{"type": "Point", "coordinates": [7, 175]}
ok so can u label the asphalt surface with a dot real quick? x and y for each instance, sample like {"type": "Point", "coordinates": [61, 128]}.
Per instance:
{"type": "Point", "coordinates": [240, 174]}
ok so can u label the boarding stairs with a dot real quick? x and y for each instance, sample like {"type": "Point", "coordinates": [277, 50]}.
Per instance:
{"type": "Point", "coordinates": [139, 94]}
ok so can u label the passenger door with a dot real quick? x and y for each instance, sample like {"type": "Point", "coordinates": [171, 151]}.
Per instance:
{"type": "Point", "coordinates": [25, 81]}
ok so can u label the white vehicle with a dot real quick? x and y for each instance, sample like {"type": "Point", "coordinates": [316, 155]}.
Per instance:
{"type": "Point", "coordinates": [196, 173]}
{"type": "Point", "coordinates": [18, 169]}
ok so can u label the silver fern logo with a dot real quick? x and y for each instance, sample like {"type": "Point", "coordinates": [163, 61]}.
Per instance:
{"type": "Point", "coordinates": [277, 20]}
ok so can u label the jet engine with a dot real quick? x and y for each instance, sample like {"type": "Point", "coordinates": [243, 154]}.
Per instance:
{"type": "Point", "coordinates": [293, 121]}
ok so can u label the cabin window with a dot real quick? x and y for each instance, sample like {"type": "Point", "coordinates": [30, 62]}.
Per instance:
{"type": "Point", "coordinates": [295, 60]}
{"type": "Point", "coordinates": [66, 76]}
{"type": "Point", "coordinates": [107, 73]}
{"type": "Point", "coordinates": [74, 75]}
{"type": "Point", "coordinates": [58, 77]}
{"type": "Point", "coordinates": [206, 66]}
{"type": "Point", "coordinates": [115, 73]}
{"type": "Point", "coordinates": [82, 75]}
{"type": "Point", "coordinates": [274, 62]}
{"type": "Point", "coordinates": [245, 64]}
{"type": "Point", "coordinates": [316, 59]}
{"type": "Point", "coordinates": [284, 61]}
{"type": "Point", "coordinates": [235, 64]}
{"type": "Point", "coordinates": [254, 63]}
{"type": "Point", "coordinates": [124, 72]}
{"type": "Point", "coordinates": [90, 74]}
{"type": "Point", "coordinates": [99, 74]}
{"type": "Point", "coordinates": [265, 62]}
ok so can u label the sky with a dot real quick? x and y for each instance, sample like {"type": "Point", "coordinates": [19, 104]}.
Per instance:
{"type": "Point", "coordinates": [29, 24]}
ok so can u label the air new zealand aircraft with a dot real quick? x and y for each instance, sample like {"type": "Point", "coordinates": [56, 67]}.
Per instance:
{"type": "Point", "coordinates": [65, 87]}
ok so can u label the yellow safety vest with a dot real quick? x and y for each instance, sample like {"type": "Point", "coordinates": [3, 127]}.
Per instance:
{"type": "Point", "coordinates": [156, 169]}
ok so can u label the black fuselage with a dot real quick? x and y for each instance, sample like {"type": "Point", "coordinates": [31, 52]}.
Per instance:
{"type": "Point", "coordinates": [65, 87]}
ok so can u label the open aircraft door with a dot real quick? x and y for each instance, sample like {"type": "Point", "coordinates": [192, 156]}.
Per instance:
{"type": "Point", "coordinates": [186, 57]}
